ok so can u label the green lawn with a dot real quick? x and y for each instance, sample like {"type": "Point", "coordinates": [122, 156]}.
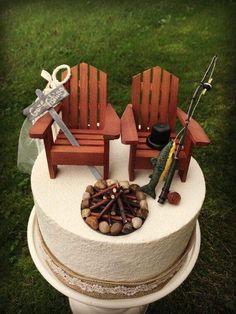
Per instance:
{"type": "Point", "coordinates": [121, 38]}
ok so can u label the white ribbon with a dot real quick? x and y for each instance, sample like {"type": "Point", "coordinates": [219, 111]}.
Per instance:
{"type": "Point", "coordinates": [52, 79]}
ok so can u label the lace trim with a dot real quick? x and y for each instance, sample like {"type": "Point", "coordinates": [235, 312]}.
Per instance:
{"type": "Point", "coordinates": [107, 289]}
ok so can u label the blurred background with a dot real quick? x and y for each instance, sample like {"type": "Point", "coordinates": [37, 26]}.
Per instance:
{"type": "Point", "coordinates": [121, 38]}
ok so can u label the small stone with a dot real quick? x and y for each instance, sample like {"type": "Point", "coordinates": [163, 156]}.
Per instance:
{"type": "Point", "coordinates": [90, 189]}
{"type": "Point", "coordinates": [100, 184]}
{"type": "Point", "coordinates": [134, 187]}
{"type": "Point", "coordinates": [127, 228]}
{"type": "Point", "coordinates": [85, 196]}
{"type": "Point", "coordinates": [137, 222]}
{"type": "Point", "coordinates": [124, 184]}
{"type": "Point", "coordinates": [104, 227]}
{"type": "Point", "coordinates": [142, 213]}
{"type": "Point", "coordinates": [111, 182]}
{"type": "Point", "coordinates": [92, 222]}
{"type": "Point", "coordinates": [85, 212]}
{"type": "Point", "coordinates": [143, 204]}
{"type": "Point", "coordinates": [174, 198]}
{"type": "Point", "coordinates": [85, 204]}
{"type": "Point", "coordinates": [116, 228]}
{"type": "Point", "coordinates": [113, 212]}
{"type": "Point", "coordinates": [140, 195]}
{"type": "Point", "coordinates": [114, 190]}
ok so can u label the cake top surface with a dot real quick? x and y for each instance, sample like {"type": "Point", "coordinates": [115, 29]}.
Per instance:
{"type": "Point", "coordinates": [60, 198]}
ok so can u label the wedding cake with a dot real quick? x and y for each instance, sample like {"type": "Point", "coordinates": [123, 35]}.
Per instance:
{"type": "Point", "coordinates": [106, 266]}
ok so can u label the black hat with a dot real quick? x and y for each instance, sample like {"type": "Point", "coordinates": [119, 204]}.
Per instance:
{"type": "Point", "coordinates": [159, 136]}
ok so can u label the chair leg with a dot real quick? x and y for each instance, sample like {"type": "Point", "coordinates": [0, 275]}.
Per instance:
{"type": "Point", "coordinates": [183, 175]}
{"type": "Point", "coordinates": [106, 160]}
{"type": "Point", "coordinates": [184, 171]}
{"type": "Point", "coordinates": [132, 155]}
{"type": "Point", "coordinates": [188, 147]}
{"type": "Point", "coordinates": [48, 140]}
{"type": "Point", "coordinates": [52, 171]}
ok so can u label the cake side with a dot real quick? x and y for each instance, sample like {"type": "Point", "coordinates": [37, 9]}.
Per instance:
{"type": "Point", "coordinates": [113, 261]}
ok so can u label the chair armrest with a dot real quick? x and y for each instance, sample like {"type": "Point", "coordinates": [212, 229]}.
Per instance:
{"type": "Point", "coordinates": [111, 129]}
{"type": "Point", "coordinates": [129, 134]}
{"type": "Point", "coordinates": [196, 132]}
{"type": "Point", "coordinates": [41, 126]}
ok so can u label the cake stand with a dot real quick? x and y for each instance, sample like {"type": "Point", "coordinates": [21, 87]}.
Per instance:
{"type": "Point", "coordinates": [83, 304]}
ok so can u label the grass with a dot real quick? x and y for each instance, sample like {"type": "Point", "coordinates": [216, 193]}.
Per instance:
{"type": "Point", "coordinates": [121, 38]}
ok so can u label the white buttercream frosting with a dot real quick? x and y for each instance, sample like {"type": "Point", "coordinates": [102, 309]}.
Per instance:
{"type": "Point", "coordinates": [140, 255]}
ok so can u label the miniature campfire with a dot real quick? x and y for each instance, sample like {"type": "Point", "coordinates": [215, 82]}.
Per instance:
{"type": "Point", "coordinates": [114, 208]}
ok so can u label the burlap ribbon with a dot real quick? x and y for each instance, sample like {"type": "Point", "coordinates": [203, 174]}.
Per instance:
{"type": "Point", "coordinates": [104, 289]}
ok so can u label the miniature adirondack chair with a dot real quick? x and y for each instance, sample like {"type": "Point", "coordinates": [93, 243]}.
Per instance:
{"type": "Point", "coordinates": [91, 120]}
{"type": "Point", "coordinates": [154, 100]}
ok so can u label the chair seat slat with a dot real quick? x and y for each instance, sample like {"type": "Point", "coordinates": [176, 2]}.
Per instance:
{"type": "Point", "coordinates": [82, 142]}
{"type": "Point", "coordinates": [83, 136]}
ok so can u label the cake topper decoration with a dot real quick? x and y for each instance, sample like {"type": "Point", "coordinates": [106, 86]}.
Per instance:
{"type": "Point", "coordinates": [114, 208]}
{"type": "Point", "coordinates": [203, 87]}
{"type": "Point", "coordinates": [165, 164]}
{"type": "Point", "coordinates": [159, 166]}
{"type": "Point", "coordinates": [45, 102]}
{"type": "Point", "coordinates": [53, 93]}
{"type": "Point", "coordinates": [48, 99]}
{"type": "Point", "coordinates": [159, 137]}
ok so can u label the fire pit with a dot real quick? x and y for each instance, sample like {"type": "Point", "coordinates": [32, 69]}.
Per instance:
{"type": "Point", "coordinates": [114, 208]}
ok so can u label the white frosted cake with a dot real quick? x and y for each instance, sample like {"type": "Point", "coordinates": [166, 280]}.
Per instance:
{"type": "Point", "coordinates": [105, 266]}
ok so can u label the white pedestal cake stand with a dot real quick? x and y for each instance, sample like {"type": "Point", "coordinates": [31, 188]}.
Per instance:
{"type": "Point", "coordinates": [83, 304]}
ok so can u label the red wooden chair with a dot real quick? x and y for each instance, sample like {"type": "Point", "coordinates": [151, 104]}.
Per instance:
{"type": "Point", "coordinates": [91, 120]}
{"type": "Point", "coordinates": [154, 99]}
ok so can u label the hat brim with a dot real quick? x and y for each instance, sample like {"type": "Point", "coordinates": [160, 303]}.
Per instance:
{"type": "Point", "coordinates": [154, 145]}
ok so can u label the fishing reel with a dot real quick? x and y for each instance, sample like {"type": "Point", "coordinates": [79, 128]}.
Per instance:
{"type": "Point", "coordinates": [207, 86]}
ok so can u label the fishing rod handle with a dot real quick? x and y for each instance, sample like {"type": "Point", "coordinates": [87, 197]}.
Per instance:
{"type": "Point", "coordinates": [165, 190]}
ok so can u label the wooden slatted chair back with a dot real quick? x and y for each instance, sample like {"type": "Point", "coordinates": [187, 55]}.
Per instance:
{"type": "Point", "coordinates": [85, 107]}
{"type": "Point", "coordinates": [154, 98]}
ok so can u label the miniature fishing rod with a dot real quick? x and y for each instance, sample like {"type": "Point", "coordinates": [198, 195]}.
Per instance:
{"type": "Point", "coordinates": [203, 87]}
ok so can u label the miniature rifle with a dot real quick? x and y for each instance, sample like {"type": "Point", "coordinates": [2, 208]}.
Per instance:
{"type": "Point", "coordinates": [203, 87]}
